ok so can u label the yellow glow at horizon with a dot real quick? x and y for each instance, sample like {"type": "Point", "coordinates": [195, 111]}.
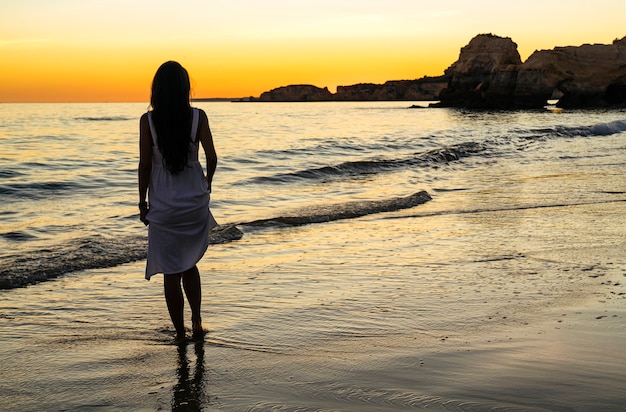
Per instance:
{"type": "Point", "coordinates": [72, 50]}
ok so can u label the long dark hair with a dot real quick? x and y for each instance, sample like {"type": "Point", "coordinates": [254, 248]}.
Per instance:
{"type": "Point", "coordinates": [171, 114]}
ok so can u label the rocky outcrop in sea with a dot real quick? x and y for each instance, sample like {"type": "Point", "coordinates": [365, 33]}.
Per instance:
{"type": "Point", "coordinates": [590, 75]}
{"type": "Point", "coordinates": [426, 88]}
{"type": "Point", "coordinates": [297, 93]}
{"type": "Point", "coordinates": [490, 74]}
{"type": "Point", "coordinates": [484, 75]}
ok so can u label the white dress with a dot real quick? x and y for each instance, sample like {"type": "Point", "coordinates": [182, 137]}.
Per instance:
{"type": "Point", "coordinates": [179, 216]}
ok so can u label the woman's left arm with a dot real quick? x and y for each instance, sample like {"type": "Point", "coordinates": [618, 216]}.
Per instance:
{"type": "Point", "coordinates": [206, 138]}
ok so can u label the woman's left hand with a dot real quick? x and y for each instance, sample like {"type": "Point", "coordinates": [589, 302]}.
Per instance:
{"type": "Point", "coordinates": [143, 212]}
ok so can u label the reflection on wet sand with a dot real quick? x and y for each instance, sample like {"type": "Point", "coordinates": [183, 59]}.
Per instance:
{"type": "Point", "coordinates": [188, 394]}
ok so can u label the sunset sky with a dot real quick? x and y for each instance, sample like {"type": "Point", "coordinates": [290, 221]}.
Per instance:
{"type": "Point", "coordinates": [108, 50]}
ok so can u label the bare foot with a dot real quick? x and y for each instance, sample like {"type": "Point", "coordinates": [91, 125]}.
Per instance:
{"type": "Point", "coordinates": [180, 339]}
{"type": "Point", "coordinates": [198, 332]}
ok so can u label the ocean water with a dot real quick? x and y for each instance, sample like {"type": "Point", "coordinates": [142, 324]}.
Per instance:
{"type": "Point", "coordinates": [68, 171]}
{"type": "Point", "coordinates": [344, 228]}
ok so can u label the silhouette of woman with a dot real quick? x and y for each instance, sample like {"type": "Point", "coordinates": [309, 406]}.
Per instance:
{"type": "Point", "coordinates": [172, 177]}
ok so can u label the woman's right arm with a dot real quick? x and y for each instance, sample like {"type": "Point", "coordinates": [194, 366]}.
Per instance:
{"type": "Point", "coordinates": [145, 165]}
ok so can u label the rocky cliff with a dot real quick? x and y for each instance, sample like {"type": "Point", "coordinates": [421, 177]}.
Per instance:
{"type": "Point", "coordinates": [484, 75]}
{"type": "Point", "coordinates": [587, 75]}
{"type": "Point", "coordinates": [490, 74]}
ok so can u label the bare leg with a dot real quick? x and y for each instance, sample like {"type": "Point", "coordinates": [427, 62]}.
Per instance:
{"type": "Point", "coordinates": [175, 303]}
{"type": "Point", "coordinates": [193, 290]}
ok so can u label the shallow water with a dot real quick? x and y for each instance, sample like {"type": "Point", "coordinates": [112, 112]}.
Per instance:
{"type": "Point", "coordinates": [523, 231]}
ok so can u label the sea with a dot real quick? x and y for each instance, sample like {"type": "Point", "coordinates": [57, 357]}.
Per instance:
{"type": "Point", "coordinates": [344, 227]}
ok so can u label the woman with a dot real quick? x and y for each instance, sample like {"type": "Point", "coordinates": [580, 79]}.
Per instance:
{"type": "Point", "coordinates": [171, 175]}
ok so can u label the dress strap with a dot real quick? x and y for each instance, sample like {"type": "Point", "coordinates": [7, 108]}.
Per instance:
{"type": "Point", "coordinates": [152, 129]}
{"type": "Point", "coordinates": [194, 125]}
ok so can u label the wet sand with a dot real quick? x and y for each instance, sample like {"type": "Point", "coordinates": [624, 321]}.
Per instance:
{"type": "Point", "coordinates": [570, 359]}
{"type": "Point", "coordinates": [567, 358]}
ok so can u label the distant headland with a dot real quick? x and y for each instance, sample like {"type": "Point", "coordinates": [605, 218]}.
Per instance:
{"type": "Point", "coordinates": [489, 73]}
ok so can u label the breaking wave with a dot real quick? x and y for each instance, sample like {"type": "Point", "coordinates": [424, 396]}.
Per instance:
{"type": "Point", "coordinates": [100, 252]}
{"type": "Point", "coordinates": [349, 169]}
{"type": "Point", "coordinates": [598, 129]}
{"type": "Point", "coordinates": [440, 156]}
{"type": "Point", "coordinates": [86, 253]}
{"type": "Point", "coordinates": [349, 210]}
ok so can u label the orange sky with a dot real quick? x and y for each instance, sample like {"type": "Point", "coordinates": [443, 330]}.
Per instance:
{"type": "Point", "coordinates": [88, 50]}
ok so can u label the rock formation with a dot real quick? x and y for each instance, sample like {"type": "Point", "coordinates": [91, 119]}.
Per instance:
{"type": "Point", "coordinates": [426, 88]}
{"type": "Point", "coordinates": [586, 76]}
{"type": "Point", "coordinates": [297, 93]}
{"type": "Point", "coordinates": [484, 75]}
{"type": "Point", "coordinates": [489, 74]}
